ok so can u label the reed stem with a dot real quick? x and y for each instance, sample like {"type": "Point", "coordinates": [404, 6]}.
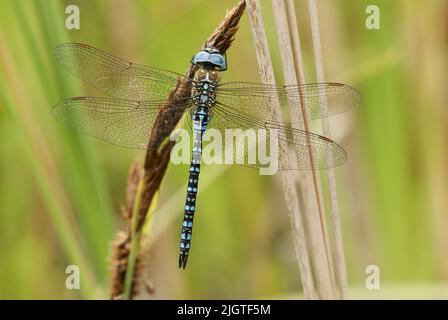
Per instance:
{"type": "Point", "coordinates": [341, 272]}
{"type": "Point", "coordinates": [135, 240]}
{"type": "Point", "coordinates": [309, 182]}
{"type": "Point", "coordinates": [288, 181]}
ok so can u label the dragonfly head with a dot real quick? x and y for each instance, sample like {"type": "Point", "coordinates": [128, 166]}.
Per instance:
{"type": "Point", "coordinates": [210, 58]}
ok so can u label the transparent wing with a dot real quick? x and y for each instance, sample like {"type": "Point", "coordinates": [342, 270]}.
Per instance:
{"type": "Point", "coordinates": [320, 99]}
{"type": "Point", "coordinates": [121, 122]}
{"type": "Point", "coordinates": [290, 148]}
{"type": "Point", "coordinates": [114, 76]}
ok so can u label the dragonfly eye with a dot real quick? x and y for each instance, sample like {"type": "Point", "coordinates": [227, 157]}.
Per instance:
{"type": "Point", "coordinates": [218, 60]}
{"type": "Point", "coordinates": [201, 57]}
{"type": "Point", "coordinates": [210, 60]}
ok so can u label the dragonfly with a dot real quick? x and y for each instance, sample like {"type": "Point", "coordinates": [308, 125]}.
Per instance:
{"type": "Point", "coordinates": [135, 93]}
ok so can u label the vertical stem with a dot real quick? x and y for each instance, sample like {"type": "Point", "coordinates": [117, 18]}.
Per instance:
{"type": "Point", "coordinates": [318, 228]}
{"type": "Point", "coordinates": [289, 42]}
{"type": "Point", "coordinates": [135, 234]}
{"type": "Point", "coordinates": [288, 185]}
{"type": "Point", "coordinates": [341, 272]}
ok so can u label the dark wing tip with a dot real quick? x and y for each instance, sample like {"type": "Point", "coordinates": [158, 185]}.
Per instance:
{"type": "Point", "coordinates": [78, 98]}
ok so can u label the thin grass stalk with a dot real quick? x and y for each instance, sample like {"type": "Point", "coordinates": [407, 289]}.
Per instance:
{"type": "Point", "coordinates": [308, 181]}
{"type": "Point", "coordinates": [157, 156]}
{"type": "Point", "coordinates": [135, 236]}
{"type": "Point", "coordinates": [341, 271]}
{"type": "Point", "coordinates": [288, 181]}
{"type": "Point", "coordinates": [289, 75]}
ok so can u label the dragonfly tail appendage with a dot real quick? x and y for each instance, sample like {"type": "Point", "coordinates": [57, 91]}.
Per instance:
{"type": "Point", "coordinates": [183, 257]}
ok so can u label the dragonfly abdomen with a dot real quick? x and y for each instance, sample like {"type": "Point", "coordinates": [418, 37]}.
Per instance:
{"type": "Point", "coordinates": [200, 121]}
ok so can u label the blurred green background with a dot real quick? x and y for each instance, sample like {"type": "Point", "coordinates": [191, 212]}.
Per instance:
{"type": "Point", "coordinates": [61, 192]}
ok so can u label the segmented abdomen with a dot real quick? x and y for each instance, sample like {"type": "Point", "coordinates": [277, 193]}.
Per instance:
{"type": "Point", "coordinates": [200, 121]}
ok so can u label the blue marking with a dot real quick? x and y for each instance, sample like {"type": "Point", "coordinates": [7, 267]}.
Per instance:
{"type": "Point", "coordinates": [192, 208]}
{"type": "Point", "coordinates": [183, 236]}
{"type": "Point", "coordinates": [189, 189]}
{"type": "Point", "coordinates": [187, 246]}
{"type": "Point", "coordinates": [197, 169]}
{"type": "Point", "coordinates": [182, 245]}
{"type": "Point", "coordinates": [190, 224]}
{"type": "Point", "coordinates": [204, 98]}
{"type": "Point", "coordinates": [187, 208]}
{"type": "Point", "coordinates": [195, 189]}
{"type": "Point", "coordinates": [205, 85]}
{"type": "Point", "coordinates": [188, 236]}
{"type": "Point", "coordinates": [185, 224]}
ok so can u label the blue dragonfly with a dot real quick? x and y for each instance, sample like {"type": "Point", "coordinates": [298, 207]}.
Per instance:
{"type": "Point", "coordinates": [136, 92]}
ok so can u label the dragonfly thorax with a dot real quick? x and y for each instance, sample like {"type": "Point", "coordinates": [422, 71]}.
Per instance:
{"type": "Point", "coordinates": [204, 88]}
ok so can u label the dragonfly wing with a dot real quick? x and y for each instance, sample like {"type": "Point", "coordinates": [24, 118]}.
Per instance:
{"type": "Point", "coordinates": [121, 122]}
{"type": "Point", "coordinates": [314, 100]}
{"type": "Point", "coordinates": [290, 148]}
{"type": "Point", "coordinates": [114, 76]}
